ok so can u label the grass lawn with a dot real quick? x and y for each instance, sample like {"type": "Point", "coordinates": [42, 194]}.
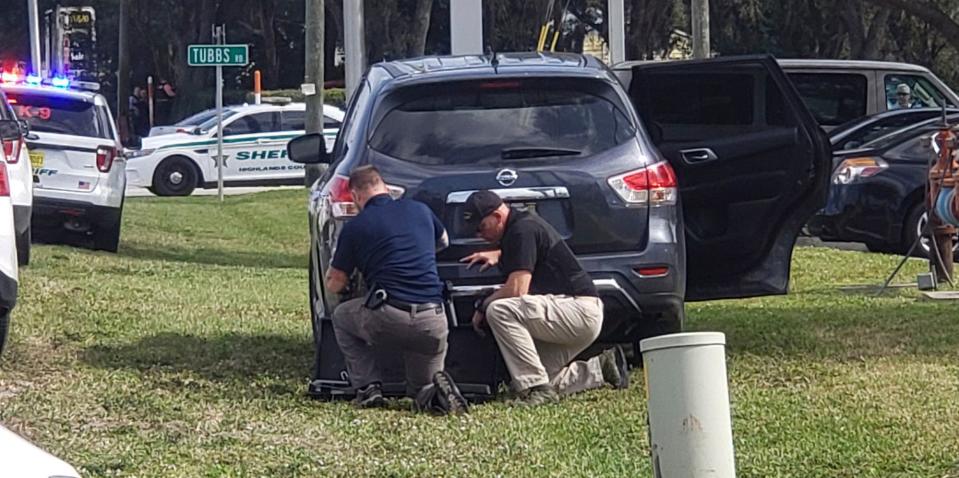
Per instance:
{"type": "Point", "coordinates": [188, 353]}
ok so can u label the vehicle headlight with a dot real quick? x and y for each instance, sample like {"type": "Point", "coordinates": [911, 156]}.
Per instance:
{"type": "Point", "coordinates": [853, 169]}
{"type": "Point", "coordinates": [139, 153]}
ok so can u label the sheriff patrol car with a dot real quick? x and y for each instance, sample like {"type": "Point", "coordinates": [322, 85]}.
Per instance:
{"type": "Point", "coordinates": [9, 274]}
{"type": "Point", "coordinates": [20, 174]}
{"type": "Point", "coordinates": [254, 149]}
{"type": "Point", "coordinates": [76, 155]}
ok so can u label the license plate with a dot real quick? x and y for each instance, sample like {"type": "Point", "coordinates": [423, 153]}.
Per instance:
{"type": "Point", "coordinates": [36, 159]}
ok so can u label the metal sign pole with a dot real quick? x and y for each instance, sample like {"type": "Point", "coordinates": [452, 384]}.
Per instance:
{"type": "Point", "coordinates": [219, 119]}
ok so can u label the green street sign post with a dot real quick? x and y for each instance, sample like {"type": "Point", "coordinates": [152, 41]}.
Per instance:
{"type": "Point", "coordinates": [219, 55]}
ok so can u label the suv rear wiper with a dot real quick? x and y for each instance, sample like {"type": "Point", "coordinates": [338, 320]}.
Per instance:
{"type": "Point", "coordinates": [518, 153]}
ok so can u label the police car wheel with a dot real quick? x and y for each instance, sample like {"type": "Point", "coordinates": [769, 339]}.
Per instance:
{"type": "Point", "coordinates": [4, 327]}
{"type": "Point", "coordinates": [23, 247]}
{"type": "Point", "coordinates": [107, 235]}
{"type": "Point", "coordinates": [175, 176]}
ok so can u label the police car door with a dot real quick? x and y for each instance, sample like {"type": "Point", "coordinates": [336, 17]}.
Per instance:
{"type": "Point", "coordinates": [294, 124]}
{"type": "Point", "coordinates": [752, 163]}
{"type": "Point", "coordinates": [250, 147]}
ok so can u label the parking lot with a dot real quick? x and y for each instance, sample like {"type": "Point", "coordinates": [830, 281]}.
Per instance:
{"type": "Point", "coordinates": [188, 354]}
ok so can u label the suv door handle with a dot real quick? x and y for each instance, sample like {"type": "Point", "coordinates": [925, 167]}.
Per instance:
{"type": "Point", "coordinates": [698, 155]}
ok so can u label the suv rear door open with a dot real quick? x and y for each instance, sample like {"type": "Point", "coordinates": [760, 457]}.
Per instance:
{"type": "Point", "coordinates": [753, 166]}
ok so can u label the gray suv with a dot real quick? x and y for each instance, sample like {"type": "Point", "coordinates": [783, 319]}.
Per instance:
{"type": "Point", "coordinates": [689, 181]}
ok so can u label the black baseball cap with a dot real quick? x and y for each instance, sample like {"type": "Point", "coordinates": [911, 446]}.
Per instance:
{"type": "Point", "coordinates": [479, 205]}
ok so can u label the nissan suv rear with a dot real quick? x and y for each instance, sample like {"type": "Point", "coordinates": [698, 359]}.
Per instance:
{"type": "Point", "coordinates": [560, 136]}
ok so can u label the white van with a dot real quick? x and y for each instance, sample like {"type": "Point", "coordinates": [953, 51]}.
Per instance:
{"type": "Point", "coordinates": [838, 91]}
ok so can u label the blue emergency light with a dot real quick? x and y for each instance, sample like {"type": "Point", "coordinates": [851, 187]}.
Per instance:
{"type": "Point", "coordinates": [60, 82]}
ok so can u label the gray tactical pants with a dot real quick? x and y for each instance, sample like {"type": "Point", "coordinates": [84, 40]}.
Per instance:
{"type": "Point", "coordinates": [418, 338]}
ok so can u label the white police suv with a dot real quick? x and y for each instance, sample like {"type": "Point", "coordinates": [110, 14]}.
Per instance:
{"type": "Point", "coordinates": [76, 156]}
{"type": "Point", "coordinates": [9, 129]}
{"type": "Point", "coordinates": [14, 154]}
{"type": "Point", "coordinates": [254, 148]}
{"type": "Point", "coordinates": [21, 459]}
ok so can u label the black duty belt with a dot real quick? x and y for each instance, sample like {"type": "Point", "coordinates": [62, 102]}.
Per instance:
{"type": "Point", "coordinates": [411, 308]}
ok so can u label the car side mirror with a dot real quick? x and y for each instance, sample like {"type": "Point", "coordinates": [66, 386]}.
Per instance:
{"type": "Point", "coordinates": [308, 149]}
{"type": "Point", "coordinates": [9, 130]}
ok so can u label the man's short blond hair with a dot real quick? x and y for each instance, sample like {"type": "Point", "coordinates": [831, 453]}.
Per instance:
{"type": "Point", "coordinates": [365, 177]}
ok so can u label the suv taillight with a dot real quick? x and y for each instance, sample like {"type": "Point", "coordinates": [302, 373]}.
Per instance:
{"type": "Point", "coordinates": [655, 184]}
{"type": "Point", "coordinates": [341, 201]}
{"type": "Point", "coordinates": [105, 157]}
{"type": "Point", "coordinates": [340, 198]}
{"type": "Point", "coordinates": [4, 182]}
{"type": "Point", "coordinates": [11, 150]}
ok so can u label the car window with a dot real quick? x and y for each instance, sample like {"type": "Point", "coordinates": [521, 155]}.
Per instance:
{"type": "Point", "coordinates": [833, 98]}
{"type": "Point", "coordinates": [57, 114]}
{"type": "Point", "coordinates": [198, 118]}
{"type": "Point", "coordinates": [917, 92]}
{"type": "Point", "coordinates": [723, 99]}
{"type": "Point", "coordinates": [211, 122]}
{"type": "Point", "coordinates": [466, 122]}
{"type": "Point", "coordinates": [254, 123]}
{"type": "Point", "coordinates": [296, 121]}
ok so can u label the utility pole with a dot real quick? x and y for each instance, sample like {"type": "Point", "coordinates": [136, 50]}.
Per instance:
{"type": "Point", "coordinates": [700, 13]}
{"type": "Point", "coordinates": [34, 19]}
{"type": "Point", "coordinates": [123, 74]}
{"type": "Point", "coordinates": [617, 31]}
{"type": "Point", "coordinates": [354, 44]}
{"type": "Point", "coordinates": [313, 79]}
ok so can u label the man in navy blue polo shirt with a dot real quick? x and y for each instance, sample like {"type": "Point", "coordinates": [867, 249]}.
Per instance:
{"type": "Point", "coordinates": [393, 243]}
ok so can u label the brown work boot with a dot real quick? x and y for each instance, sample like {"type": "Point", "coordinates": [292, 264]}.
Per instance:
{"type": "Point", "coordinates": [615, 367]}
{"type": "Point", "coordinates": [536, 396]}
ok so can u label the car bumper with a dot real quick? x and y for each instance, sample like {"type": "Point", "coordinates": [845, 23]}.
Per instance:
{"type": "Point", "coordinates": [55, 212]}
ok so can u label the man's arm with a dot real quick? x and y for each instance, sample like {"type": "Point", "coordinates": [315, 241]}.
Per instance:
{"type": "Point", "coordinates": [517, 284]}
{"type": "Point", "coordinates": [336, 280]}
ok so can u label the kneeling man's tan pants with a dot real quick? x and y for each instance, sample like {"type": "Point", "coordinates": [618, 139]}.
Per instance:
{"type": "Point", "coordinates": [539, 335]}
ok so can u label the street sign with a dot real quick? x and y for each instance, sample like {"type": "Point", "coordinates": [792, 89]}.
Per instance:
{"type": "Point", "coordinates": [217, 55]}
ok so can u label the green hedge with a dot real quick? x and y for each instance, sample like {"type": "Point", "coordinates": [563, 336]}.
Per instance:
{"type": "Point", "coordinates": [331, 96]}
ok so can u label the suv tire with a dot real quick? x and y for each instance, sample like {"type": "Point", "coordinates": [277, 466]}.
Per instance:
{"type": "Point", "coordinates": [23, 247]}
{"type": "Point", "coordinates": [106, 237]}
{"type": "Point", "coordinates": [914, 221]}
{"type": "Point", "coordinates": [4, 328]}
{"type": "Point", "coordinates": [175, 176]}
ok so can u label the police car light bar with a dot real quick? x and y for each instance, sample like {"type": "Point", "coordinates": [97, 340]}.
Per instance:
{"type": "Point", "coordinates": [60, 82]}
{"type": "Point", "coordinates": [33, 80]}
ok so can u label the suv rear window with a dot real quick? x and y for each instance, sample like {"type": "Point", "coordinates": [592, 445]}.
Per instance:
{"type": "Point", "coordinates": [56, 114]}
{"type": "Point", "coordinates": [501, 120]}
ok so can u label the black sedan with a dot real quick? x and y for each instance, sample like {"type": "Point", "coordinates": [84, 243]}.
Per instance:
{"type": "Point", "coordinates": [877, 190]}
{"type": "Point", "coordinates": [860, 131]}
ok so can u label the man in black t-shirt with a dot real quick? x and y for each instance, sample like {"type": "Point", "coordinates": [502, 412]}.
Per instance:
{"type": "Point", "coordinates": [547, 312]}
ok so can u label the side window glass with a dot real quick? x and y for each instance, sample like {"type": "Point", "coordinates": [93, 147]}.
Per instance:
{"type": "Point", "coordinates": [719, 99]}
{"type": "Point", "coordinates": [833, 98]}
{"type": "Point", "coordinates": [330, 122]}
{"type": "Point", "coordinates": [911, 91]}
{"type": "Point", "coordinates": [294, 120]}
{"type": "Point", "coordinates": [249, 124]}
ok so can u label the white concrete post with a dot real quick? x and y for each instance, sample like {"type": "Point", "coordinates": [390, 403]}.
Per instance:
{"type": "Point", "coordinates": [617, 32]}
{"type": "Point", "coordinates": [690, 430]}
{"type": "Point", "coordinates": [354, 44]}
{"type": "Point", "coordinates": [466, 27]}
